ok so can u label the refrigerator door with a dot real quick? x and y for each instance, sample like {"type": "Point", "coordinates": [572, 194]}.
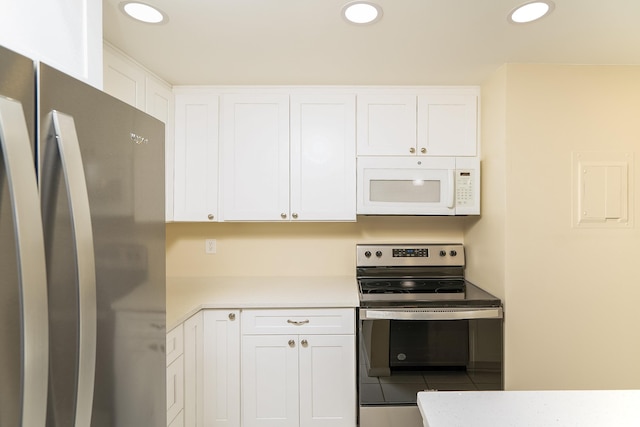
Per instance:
{"type": "Point", "coordinates": [23, 298]}
{"type": "Point", "coordinates": [65, 147]}
{"type": "Point", "coordinates": [122, 151]}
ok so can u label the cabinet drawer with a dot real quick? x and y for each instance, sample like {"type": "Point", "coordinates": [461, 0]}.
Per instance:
{"type": "Point", "coordinates": [178, 421]}
{"type": "Point", "coordinates": [175, 388]}
{"type": "Point", "coordinates": [175, 344]}
{"type": "Point", "coordinates": [299, 321]}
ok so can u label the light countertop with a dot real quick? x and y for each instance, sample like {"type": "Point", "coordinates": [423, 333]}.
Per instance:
{"type": "Point", "coordinates": [187, 295]}
{"type": "Point", "coordinates": [584, 408]}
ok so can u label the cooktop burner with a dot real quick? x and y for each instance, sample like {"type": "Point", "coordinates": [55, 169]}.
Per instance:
{"type": "Point", "coordinates": [416, 275]}
{"type": "Point", "coordinates": [411, 286]}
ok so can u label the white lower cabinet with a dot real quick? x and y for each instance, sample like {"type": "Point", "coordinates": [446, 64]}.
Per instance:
{"type": "Point", "coordinates": [298, 368]}
{"type": "Point", "coordinates": [269, 368]}
{"type": "Point", "coordinates": [193, 370]}
{"type": "Point", "coordinates": [175, 376]}
{"type": "Point", "coordinates": [212, 369]}
{"type": "Point", "coordinates": [221, 365]}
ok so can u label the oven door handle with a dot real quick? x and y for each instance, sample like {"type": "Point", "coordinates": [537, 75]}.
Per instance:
{"type": "Point", "coordinates": [432, 314]}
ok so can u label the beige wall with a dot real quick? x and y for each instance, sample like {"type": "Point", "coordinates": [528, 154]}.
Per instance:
{"type": "Point", "coordinates": [485, 236]}
{"type": "Point", "coordinates": [571, 294]}
{"type": "Point", "coordinates": [293, 249]}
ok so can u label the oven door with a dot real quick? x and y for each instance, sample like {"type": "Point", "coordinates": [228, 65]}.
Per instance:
{"type": "Point", "coordinates": [404, 351]}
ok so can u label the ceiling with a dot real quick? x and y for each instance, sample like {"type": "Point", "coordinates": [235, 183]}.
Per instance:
{"type": "Point", "coordinates": [293, 42]}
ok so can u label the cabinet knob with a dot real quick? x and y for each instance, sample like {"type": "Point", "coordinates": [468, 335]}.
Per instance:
{"type": "Point", "coordinates": [210, 216]}
{"type": "Point", "coordinates": [412, 150]}
{"type": "Point", "coordinates": [295, 216]}
{"type": "Point", "coordinates": [292, 343]}
{"type": "Point", "coordinates": [283, 215]}
{"type": "Point", "coordinates": [423, 150]}
{"type": "Point", "coordinates": [304, 343]}
{"type": "Point", "coordinates": [232, 316]}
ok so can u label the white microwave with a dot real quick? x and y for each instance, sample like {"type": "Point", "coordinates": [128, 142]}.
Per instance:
{"type": "Point", "coordinates": [418, 186]}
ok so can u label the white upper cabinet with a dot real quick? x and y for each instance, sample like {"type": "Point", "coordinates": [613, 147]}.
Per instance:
{"type": "Point", "coordinates": [420, 121]}
{"type": "Point", "coordinates": [288, 157]}
{"type": "Point", "coordinates": [448, 124]}
{"type": "Point", "coordinates": [386, 124]}
{"type": "Point", "coordinates": [196, 156]}
{"type": "Point", "coordinates": [131, 83]}
{"type": "Point", "coordinates": [255, 157]}
{"type": "Point", "coordinates": [323, 153]}
{"type": "Point", "coordinates": [123, 78]}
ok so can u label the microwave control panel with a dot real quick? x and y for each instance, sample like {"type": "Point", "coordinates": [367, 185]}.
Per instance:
{"type": "Point", "coordinates": [464, 188]}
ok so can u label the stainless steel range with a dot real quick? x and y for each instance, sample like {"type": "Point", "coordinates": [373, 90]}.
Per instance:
{"type": "Point", "coordinates": [423, 326]}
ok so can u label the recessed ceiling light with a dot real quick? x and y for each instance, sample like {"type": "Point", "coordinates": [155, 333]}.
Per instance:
{"type": "Point", "coordinates": [531, 11]}
{"type": "Point", "coordinates": [362, 12]}
{"type": "Point", "coordinates": [143, 12]}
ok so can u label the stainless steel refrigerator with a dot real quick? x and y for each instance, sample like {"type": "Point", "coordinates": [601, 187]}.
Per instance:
{"type": "Point", "coordinates": [82, 254]}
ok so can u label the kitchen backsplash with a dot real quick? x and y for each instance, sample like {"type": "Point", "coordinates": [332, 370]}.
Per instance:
{"type": "Point", "coordinates": [254, 249]}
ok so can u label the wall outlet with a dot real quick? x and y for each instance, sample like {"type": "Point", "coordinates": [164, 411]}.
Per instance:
{"type": "Point", "coordinates": [210, 246]}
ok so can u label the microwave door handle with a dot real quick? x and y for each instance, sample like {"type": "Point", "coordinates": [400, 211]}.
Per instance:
{"type": "Point", "coordinates": [63, 130]}
{"type": "Point", "coordinates": [15, 153]}
{"type": "Point", "coordinates": [452, 189]}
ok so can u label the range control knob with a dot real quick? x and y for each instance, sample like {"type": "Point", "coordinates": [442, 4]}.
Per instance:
{"type": "Point", "coordinates": [443, 253]}
{"type": "Point", "coordinates": [378, 254]}
{"type": "Point", "coordinates": [367, 254]}
{"type": "Point", "coordinates": [453, 253]}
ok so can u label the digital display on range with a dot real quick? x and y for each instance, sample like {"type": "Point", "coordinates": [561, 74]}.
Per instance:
{"type": "Point", "coordinates": [410, 253]}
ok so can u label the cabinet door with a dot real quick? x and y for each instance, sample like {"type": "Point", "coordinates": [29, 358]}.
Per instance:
{"type": "Point", "coordinates": [447, 124]}
{"type": "Point", "coordinates": [221, 368]}
{"type": "Point", "coordinates": [159, 104]}
{"type": "Point", "coordinates": [255, 157]}
{"type": "Point", "coordinates": [327, 381]}
{"type": "Point", "coordinates": [123, 79]}
{"type": "Point", "coordinates": [196, 157]}
{"type": "Point", "coordinates": [270, 381]}
{"type": "Point", "coordinates": [193, 356]}
{"type": "Point", "coordinates": [323, 158]}
{"type": "Point", "coordinates": [386, 124]}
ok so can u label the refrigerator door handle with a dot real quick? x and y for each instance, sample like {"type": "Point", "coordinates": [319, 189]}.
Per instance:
{"type": "Point", "coordinates": [64, 130]}
{"type": "Point", "coordinates": [30, 254]}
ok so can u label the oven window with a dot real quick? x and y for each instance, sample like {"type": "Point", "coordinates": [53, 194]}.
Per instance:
{"type": "Point", "coordinates": [404, 191]}
{"type": "Point", "coordinates": [399, 358]}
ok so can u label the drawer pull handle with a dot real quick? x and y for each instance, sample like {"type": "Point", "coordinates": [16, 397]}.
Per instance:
{"type": "Point", "coordinates": [304, 343]}
{"type": "Point", "coordinates": [158, 326]}
{"type": "Point", "coordinates": [292, 343]}
{"type": "Point", "coordinates": [232, 316]}
{"type": "Point", "coordinates": [298, 322]}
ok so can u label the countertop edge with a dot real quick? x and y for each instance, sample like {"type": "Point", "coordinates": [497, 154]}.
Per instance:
{"type": "Point", "coordinates": [188, 295]}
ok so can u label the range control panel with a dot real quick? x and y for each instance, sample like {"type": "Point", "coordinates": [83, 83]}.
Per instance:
{"type": "Point", "coordinates": [390, 255]}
